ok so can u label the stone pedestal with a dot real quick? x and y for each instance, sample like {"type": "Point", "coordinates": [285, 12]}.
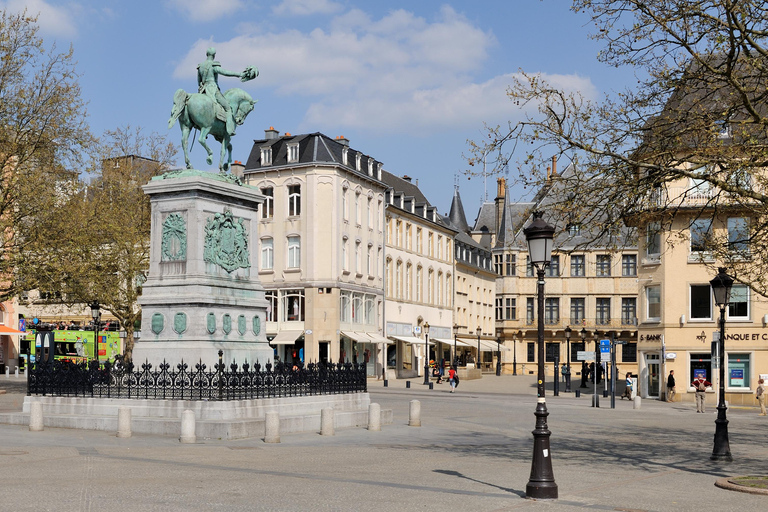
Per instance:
{"type": "Point", "coordinates": [203, 293]}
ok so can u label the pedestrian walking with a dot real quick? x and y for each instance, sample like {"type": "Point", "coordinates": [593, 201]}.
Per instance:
{"type": "Point", "coordinates": [671, 386]}
{"type": "Point", "coordinates": [453, 379]}
{"type": "Point", "coordinates": [628, 387]}
{"type": "Point", "coordinates": [760, 395]}
{"type": "Point", "coordinates": [700, 384]}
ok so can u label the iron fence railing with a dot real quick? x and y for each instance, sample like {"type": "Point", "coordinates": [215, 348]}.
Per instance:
{"type": "Point", "coordinates": [122, 380]}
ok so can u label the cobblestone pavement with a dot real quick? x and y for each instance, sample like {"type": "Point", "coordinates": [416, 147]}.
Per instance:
{"type": "Point", "coordinates": [473, 452]}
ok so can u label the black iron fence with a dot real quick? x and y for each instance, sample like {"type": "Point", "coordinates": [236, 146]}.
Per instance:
{"type": "Point", "coordinates": [122, 380]}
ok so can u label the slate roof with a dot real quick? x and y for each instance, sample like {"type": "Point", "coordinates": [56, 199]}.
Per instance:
{"type": "Point", "coordinates": [313, 148]}
{"type": "Point", "coordinates": [457, 217]}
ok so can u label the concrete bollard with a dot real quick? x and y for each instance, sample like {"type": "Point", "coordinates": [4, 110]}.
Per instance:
{"type": "Point", "coordinates": [17, 372]}
{"type": "Point", "coordinates": [636, 402]}
{"type": "Point", "coordinates": [188, 427]}
{"type": "Point", "coordinates": [414, 414]}
{"type": "Point", "coordinates": [7, 372]}
{"type": "Point", "coordinates": [35, 417]}
{"type": "Point", "coordinates": [326, 422]}
{"type": "Point", "coordinates": [124, 422]}
{"type": "Point", "coordinates": [272, 427]}
{"type": "Point", "coordinates": [595, 401]}
{"type": "Point", "coordinates": [374, 417]}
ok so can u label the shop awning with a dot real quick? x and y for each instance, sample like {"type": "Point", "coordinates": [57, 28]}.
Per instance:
{"type": "Point", "coordinates": [459, 343]}
{"type": "Point", "coordinates": [411, 339]}
{"type": "Point", "coordinates": [486, 345]}
{"type": "Point", "coordinates": [359, 337]}
{"type": "Point", "coordinates": [4, 329]}
{"type": "Point", "coordinates": [377, 338]}
{"type": "Point", "coordinates": [286, 337]}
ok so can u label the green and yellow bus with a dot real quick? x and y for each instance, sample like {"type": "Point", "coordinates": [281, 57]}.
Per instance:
{"type": "Point", "coordinates": [75, 346]}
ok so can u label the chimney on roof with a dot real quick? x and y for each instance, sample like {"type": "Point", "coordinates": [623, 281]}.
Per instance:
{"type": "Point", "coordinates": [407, 178]}
{"type": "Point", "coordinates": [271, 133]}
{"type": "Point", "coordinates": [238, 168]}
{"type": "Point", "coordinates": [342, 140]}
{"type": "Point", "coordinates": [554, 166]}
{"type": "Point", "coordinates": [501, 187]}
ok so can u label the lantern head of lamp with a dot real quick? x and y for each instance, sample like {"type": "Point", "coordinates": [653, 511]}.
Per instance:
{"type": "Point", "coordinates": [540, 236]}
{"type": "Point", "coordinates": [479, 331]}
{"type": "Point", "coordinates": [721, 288]}
{"type": "Point", "coordinates": [426, 327]}
{"type": "Point", "coordinates": [568, 332]}
{"type": "Point", "coordinates": [583, 334]}
{"type": "Point", "coordinates": [95, 311]}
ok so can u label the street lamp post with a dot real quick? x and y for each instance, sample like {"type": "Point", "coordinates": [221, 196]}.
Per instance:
{"type": "Point", "coordinates": [96, 315]}
{"type": "Point", "coordinates": [514, 354]}
{"type": "Point", "coordinates": [541, 484]}
{"type": "Point", "coordinates": [498, 357]}
{"type": "Point", "coordinates": [426, 353]}
{"type": "Point", "coordinates": [455, 334]}
{"type": "Point", "coordinates": [721, 288]}
{"type": "Point", "coordinates": [583, 344]}
{"type": "Point", "coordinates": [479, 332]}
{"type": "Point", "coordinates": [568, 357]}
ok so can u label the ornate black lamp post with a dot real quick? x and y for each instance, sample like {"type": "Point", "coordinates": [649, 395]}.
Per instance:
{"type": "Point", "coordinates": [514, 354]}
{"type": "Point", "coordinates": [583, 344]}
{"type": "Point", "coordinates": [721, 288]}
{"type": "Point", "coordinates": [96, 315]}
{"type": "Point", "coordinates": [426, 353]}
{"type": "Point", "coordinates": [541, 484]}
{"type": "Point", "coordinates": [568, 357]}
{"type": "Point", "coordinates": [479, 332]}
{"type": "Point", "coordinates": [455, 355]}
{"type": "Point", "coordinates": [498, 356]}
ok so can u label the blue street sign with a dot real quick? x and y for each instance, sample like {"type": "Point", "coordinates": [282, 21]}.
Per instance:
{"type": "Point", "coordinates": [605, 349]}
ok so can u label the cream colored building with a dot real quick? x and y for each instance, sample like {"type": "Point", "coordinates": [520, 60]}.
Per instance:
{"type": "Point", "coordinates": [588, 287]}
{"type": "Point", "coordinates": [321, 245]}
{"type": "Point", "coordinates": [419, 271]}
{"type": "Point", "coordinates": [678, 316]}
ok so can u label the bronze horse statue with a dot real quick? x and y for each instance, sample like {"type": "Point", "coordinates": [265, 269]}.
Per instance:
{"type": "Point", "coordinates": [200, 111]}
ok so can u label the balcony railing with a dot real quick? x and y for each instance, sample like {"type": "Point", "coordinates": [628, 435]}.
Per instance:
{"type": "Point", "coordinates": [590, 323]}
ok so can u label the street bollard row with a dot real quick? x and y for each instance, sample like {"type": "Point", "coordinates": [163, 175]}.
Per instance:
{"type": "Point", "coordinates": [271, 424]}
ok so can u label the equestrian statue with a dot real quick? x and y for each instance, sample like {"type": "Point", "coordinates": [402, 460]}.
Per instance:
{"type": "Point", "coordinates": [210, 111]}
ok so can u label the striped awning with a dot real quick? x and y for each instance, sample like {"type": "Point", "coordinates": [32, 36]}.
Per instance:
{"type": "Point", "coordinates": [377, 338]}
{"type": "Point", "coordinates": [411, 339]}
{"type": "Point", "coordinates": [459, 343]}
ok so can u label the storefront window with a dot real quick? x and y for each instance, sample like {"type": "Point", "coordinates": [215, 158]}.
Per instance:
{"type": "Point", "coordinates": [701, 364]}
{"type": "Point", "coordinates": [738, 370]}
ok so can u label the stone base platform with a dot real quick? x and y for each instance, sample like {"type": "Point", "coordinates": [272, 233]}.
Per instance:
{"type": "Point", "coordinates": [213, 420]}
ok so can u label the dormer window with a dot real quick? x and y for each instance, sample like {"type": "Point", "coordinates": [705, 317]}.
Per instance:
{"type": "Point", "coordinates": [358, 157]}
{"type": "Point", "coordinates": [293, 153]}
{"type": "Point", "coordinates": [574, 229]}
{"type": "Point", "coordinates": [345, 156]}
{"type": "Point", "coordinates": [266, 156]}
{"type": "Point", "coordinates": [370, 167]}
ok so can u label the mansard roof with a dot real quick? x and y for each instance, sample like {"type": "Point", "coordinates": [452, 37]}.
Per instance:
{"type": "Point", "coordinates": [313, 148]}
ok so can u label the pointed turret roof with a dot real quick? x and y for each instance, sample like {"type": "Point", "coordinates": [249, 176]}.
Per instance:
{"type": "Point", "coordinates": [456, 216]}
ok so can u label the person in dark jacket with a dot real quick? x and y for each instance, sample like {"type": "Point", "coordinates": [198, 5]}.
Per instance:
{"type": "Point", "coordinates": [671, 386]}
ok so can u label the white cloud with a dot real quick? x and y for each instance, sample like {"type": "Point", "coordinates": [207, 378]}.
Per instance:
{"type": "Point", "coordinates": [306, 7]}
{"type": "Point", "coordinates": [206, 10]}
{"type": "Point", "coordinates": [397, 73]}
{"type": "Point", "coordinates": [52, 20]}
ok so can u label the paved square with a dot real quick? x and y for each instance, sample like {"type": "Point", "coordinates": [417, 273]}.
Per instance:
{"type": "Point", "coordinates": [473, 452]}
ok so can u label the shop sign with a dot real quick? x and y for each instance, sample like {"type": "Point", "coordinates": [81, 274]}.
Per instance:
{"type": "Point", "coordinates": [671, 355]}
{"type": "Point", "coordinates": [737, 377]}
{"type": "Point", "coordinates": [583, 355]}
{"type": "Point", "coordinates": [650, 337]}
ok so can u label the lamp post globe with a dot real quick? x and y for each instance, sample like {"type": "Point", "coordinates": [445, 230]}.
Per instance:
{"type": "Point", "coordinates": [426, 353]}
{"type": "Point", "coordinates": [721, 289]}
{"type": "Point", "coordinates": [541, 484]}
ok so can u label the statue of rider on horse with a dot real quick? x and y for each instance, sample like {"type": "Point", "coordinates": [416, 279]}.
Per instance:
{"type": "Point", "coordinates": [210, 111]}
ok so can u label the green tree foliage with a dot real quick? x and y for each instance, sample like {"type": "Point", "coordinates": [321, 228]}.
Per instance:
{"type": "Point", "coordinates": [96, 248]}
{"type": "Point", "coordinates": [687, 139]}
{"type": "Point", "coordinates": [43, 133]}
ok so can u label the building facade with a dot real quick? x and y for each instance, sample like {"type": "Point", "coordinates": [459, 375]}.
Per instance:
{"type": "Point", "coordinates": [321, 244]}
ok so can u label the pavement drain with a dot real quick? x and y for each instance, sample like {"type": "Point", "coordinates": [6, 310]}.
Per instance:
{"type": "Point", "coordinates": [753, 484]}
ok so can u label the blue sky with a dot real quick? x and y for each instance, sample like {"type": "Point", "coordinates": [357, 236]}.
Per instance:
{"type": "Point", "coordinates": [407, 82]}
